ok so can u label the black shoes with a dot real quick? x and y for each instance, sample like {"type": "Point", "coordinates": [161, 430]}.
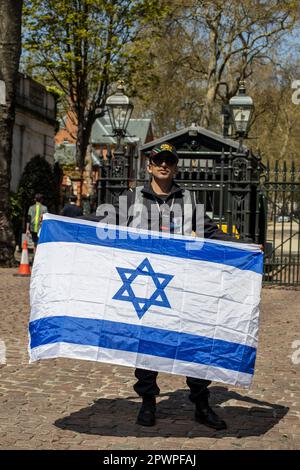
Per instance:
{"type": "Point", "coordinates": [146, 416]}
{"type": "Point", "coordinates": [205, 415]}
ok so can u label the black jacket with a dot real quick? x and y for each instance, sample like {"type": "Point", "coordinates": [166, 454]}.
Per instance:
{"type": "Point", "coordinates": [211, 229]}
{"type": "Point", "coordinates": [72, 210]}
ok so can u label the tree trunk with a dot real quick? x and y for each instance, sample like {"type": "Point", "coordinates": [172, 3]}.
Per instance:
{"type": "Point", "coordinates": [212, 84]}
{"type": "Point", "coordinates": [83, 135]}
{"type": "Point", "coordinates": [10, 50]}
{"type": "Point", "coordinates": [208, 104]}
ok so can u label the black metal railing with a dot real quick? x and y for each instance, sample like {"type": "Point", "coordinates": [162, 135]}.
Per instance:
{"type": "Point", "coordinates": [281, 189]}
{"type": "Point", "coordinates": [247, 199]}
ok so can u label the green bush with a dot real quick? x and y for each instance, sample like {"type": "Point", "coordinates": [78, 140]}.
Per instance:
{"type": "Point", "coordinates": [38, 177]}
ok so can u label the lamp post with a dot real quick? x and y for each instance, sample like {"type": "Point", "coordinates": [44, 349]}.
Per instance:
{"type": "Point", "coordinates": [240, 166]}
{"type": "Point", "coordinates": [119, 108]}
{"type": "Point", "coordinates": [241, 110]}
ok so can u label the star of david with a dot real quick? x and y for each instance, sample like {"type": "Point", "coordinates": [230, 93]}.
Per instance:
{"type": "Point", "coordinates": [142, 304]}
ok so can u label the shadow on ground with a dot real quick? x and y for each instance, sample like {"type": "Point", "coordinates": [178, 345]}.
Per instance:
{"type": "Point", "coordinates": [175, 416]}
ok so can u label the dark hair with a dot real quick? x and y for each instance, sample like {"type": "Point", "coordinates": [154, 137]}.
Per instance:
{"type": "Point", "coordinates": [73, 198]}
{"type": "Point", "coordinates": [38, 197]}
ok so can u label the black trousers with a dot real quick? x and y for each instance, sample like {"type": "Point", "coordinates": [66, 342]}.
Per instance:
{"type": "Point", "coordinates": [146, 385]}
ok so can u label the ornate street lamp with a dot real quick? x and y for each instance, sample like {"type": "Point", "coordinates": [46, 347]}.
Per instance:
{"type": "Point", "coordinates": [119, 108]}
{"type": "Point", "coordinates": [241, 110]}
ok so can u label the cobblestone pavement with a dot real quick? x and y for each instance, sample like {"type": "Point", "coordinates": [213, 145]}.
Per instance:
{"type": "Point", "coordinates": [68, 404]}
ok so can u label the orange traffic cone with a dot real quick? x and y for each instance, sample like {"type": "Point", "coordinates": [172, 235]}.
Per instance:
{"type": "Point", "coordinates": [24, 269]}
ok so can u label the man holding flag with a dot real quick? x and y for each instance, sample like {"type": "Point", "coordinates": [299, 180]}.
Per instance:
{"type": "Point", "coordinates": [158, 300]}
{"type": "Point", "coordinates": [161, 194]}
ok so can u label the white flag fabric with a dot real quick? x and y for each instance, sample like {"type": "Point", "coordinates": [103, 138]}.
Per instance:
{"type": "Point", "coordinates": [163, 302]}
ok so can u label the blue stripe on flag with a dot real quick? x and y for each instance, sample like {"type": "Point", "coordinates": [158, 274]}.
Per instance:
{"type": "Point", "coordinates": [143, 340]}
{"type": "Point", "coordinates": [60, 231]}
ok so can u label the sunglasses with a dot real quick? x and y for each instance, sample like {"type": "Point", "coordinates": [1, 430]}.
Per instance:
{"type": "Point", "coordinates": [169, 160]}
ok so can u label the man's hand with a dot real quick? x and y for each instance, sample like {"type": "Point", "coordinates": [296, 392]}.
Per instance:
{"type": "Point", "coordinates": [262, 247]}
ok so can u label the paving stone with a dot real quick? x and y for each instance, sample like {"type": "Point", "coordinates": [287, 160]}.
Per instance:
{"type": "Point", "coordinates": [67, 404]}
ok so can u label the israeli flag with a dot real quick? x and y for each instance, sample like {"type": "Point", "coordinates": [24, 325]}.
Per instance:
{"type": "Point", "coordinates": [168, 303]}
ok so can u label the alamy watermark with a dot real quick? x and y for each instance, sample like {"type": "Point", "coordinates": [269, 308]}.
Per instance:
{"type": "Point", "coordinates": [296, 93]}
{"type": "Point", "coordinates": [176, 219]}
{"type": "Point", "coordinates": [2, 352]}
{"type": "Point", "coordinates": [295, 357]}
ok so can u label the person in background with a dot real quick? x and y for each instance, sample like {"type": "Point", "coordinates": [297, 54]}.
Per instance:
{"type": "Point", "coordinates": [34, 219]}
{"type": "Point", "coordinates": [71, 209]}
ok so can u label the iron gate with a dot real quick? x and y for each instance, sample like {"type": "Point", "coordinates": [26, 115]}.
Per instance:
{"type": "Point", "coordinates": [247, 199]}
{"type": "Point", "coordinates": [280, 187]}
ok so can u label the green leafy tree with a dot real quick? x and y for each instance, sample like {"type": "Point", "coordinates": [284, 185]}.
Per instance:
{"type": "Point", "coordinates": [79, 46]}
{"type": "Point", "coordinates": [205, 48]}
{"type": "Point", "coordinates": [239, 35]}
{"type": "Point", "coordinates": [10, 49]}
{"type": "Point", "coordinates": [276, 124]}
